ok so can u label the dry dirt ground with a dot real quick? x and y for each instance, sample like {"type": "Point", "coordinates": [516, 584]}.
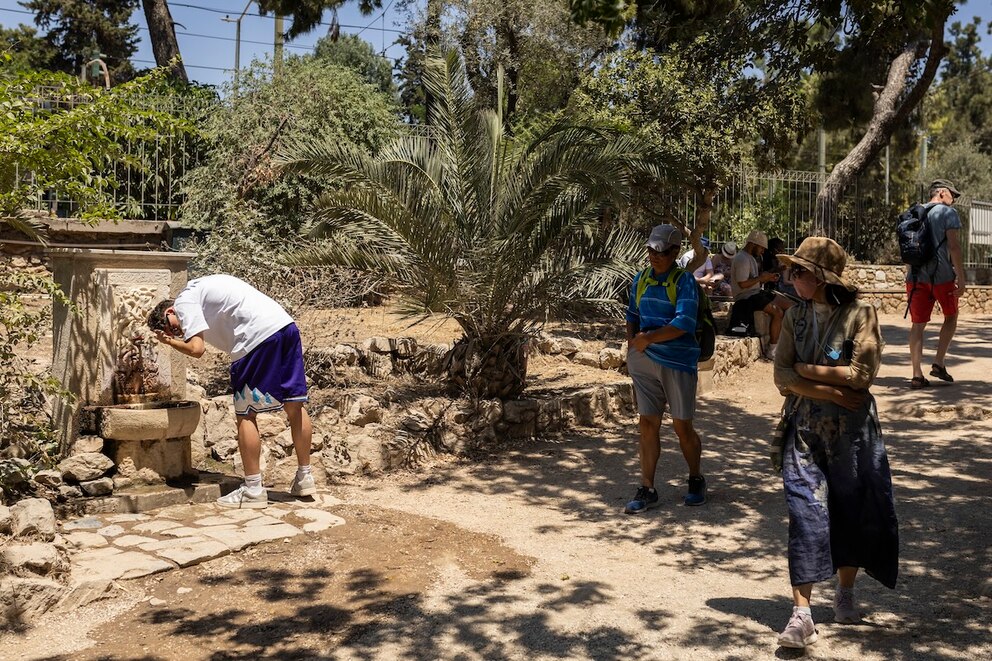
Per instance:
{"type": "Point", "coordinates": [525, 554]}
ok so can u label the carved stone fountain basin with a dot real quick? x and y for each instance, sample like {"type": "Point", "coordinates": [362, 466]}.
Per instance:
{"type": "Point", "coordinates": [146, 421]}
{"type": "Point", "coordinates": [151, 435]}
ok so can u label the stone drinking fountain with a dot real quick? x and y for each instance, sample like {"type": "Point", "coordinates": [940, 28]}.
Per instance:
{"type": "Point", "coordinates": [130, 390]}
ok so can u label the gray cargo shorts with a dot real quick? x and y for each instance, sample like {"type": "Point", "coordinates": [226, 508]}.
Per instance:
{"type": "Point", "coordinates": [655, 384]}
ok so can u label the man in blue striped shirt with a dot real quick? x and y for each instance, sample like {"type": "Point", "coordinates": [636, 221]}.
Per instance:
{"type": "Point", "coordinates": [661, 357]}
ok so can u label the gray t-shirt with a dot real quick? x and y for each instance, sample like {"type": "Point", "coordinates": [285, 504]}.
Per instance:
{"type": "Point", "coordinates": [939, 270]}
{"type": "Point", "coordinates": [744, 267]}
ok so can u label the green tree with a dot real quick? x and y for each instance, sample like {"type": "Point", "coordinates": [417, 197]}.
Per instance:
{"type": "Point", "coordinates": [162, 34]}
{"type": "Point", "coordinates": [69, 141]}
{"type": "Point", "coordinates": [306, 15]}
{"type": "Point", "coordinates": [76, 27]}
{"type": "Point", "coordinates": [310, 97]}
{"type": "Point", "coordinates": [353, 52]}
{"type": "Point", "coordinates": [469, 224]}
{"type": "Point", "coordinates": [26, 50]}
{"type": "Point", "coordinates": [704, 124]}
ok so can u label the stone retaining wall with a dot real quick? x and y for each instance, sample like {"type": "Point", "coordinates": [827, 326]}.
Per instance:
{"type": "Point", "coordinates": [977, 300]}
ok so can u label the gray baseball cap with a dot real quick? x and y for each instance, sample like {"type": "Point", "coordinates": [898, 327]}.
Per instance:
{"type": "Point", "coordinates": [664, 237]}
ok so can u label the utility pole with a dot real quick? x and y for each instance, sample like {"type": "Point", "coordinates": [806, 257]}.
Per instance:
{"type": "Point", "coordinates": [277, 47]}
{"type": "Point", "coordinates": [237, 43]}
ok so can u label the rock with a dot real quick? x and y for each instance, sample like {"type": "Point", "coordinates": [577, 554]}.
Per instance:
{"type": "Point", "coordinates": [6, 519]}
{"type": "Point", "coordinates": [344, 355]}
{"type": "Point", "coordinates": [155, 601]}
{"type": "Point", "coordinates": [111, 531]}
{"type": "Point", "coordinates": [239, 538]}
{"type": "Point", "coordinates": [186, 551]}
{"type": "Point", "coordinates": [81, 593]}
{"type": "Point", "coordinates": [85, 466]}
{"type": "Point", "coordinates": [284, 442]}
{"type": "Point", "coordinates": [86, 540]}
{"type": "Point", "coordinates": [271, 425]}
{"type": "Point", "coordinates": [89, 523]}
{"type": "Point", "coordinates": [36, 557]}
{"type": "Point", "coordinates": [363, 411]}
{"type": "Point", "coordinates": [570, 345]}
{"type": "Point", "coordinates": [195, 393]}
{"type": "Point", "coordinates": [126, 468]}
{"type": "Point", "coordinates": [110, 564]}
{"type": "Point", "coordinates": [585, 358]}
{"type": "Point", "coordinates": [610, 359]}
{"type": "Point", "coordinates": [224, 449]}
{"type": "Point", "coordinates": [101, 487]}
{"type": "Point", "coordinates": [48, 478]}
{"type": "Point", "coordinates": [377, 345]}
{"type": "Point", "coordinates": [67, 491]}
{"type": "Point", "coordinates": [184, 590]}
{"type": "Point", "coordinates": [405, 347]}
{"type": "Point", "coordinates": [416, 422]}
{"type": "Point", "coordinates": [219, 421]}
{"type": "Point", "coordinates": [22, 600]}
{"type": "Point", "coordinates": [87, 445]}
{"type": "Point", "coordinates": [148, 476]}
{"type": "Point", "coordinates": [121, 483]}
{"type": "Point", "coordinates": [33, 516]}
{"type": "Point", "coordinates": [549, 345]}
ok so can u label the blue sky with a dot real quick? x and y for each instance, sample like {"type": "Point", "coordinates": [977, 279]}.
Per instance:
{"type": "Point", "coordinates": [207, 41]}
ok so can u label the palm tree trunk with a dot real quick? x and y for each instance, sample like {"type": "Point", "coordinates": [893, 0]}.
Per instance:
{"type": "Point", "coordinates": [704, 209]}
{"type": "Point", "coordinates": [162, 32]}
{"type": "Point", "coordinates": [892, 106]}
{"type": "Point", "coordinates": [488, 367]}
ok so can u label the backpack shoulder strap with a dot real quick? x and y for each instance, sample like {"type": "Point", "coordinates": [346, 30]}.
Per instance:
{"type": "Point", "coordinates": [642, 285]}
{"type": "Point", "coordinates": [672, 281]}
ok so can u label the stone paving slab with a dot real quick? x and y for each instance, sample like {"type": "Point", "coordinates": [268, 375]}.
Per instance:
{"type": "Point", "coordinates": [123, 546]}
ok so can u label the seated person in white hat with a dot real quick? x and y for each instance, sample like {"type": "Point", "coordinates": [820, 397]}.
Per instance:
{"type": "Point", "coordinates": [746, 278]}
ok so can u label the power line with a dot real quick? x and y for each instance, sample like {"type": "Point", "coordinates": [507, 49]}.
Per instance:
{"type": "Point", "coordinates": [188, 66]}
{"type": "Point", "coordinates": [227, 13]}
{"type": "Point", "coordinates": [376, 19]}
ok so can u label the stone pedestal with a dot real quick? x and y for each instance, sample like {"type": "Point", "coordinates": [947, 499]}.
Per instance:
{"type": "Point", "coordinates": [113, 291]}
{"type": "Point", "coordinates": [170, 459]}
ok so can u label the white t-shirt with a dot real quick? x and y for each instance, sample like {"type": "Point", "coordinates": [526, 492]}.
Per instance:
{"type": "Point", "coordinates": [684, 260]}
{"type": "Point", "coordinates": [232, 315]}
{"type": "Point", "coordinates": [744, 267]}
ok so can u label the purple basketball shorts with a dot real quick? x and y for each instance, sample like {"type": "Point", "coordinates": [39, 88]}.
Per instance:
{"type": "Point", "coordinates": [271, 374]}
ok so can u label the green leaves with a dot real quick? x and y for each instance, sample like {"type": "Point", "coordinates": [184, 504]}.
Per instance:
{"type": "Point", "coordinates": [469, 223]}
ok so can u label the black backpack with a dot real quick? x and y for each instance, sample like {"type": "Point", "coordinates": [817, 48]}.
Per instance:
{"type": "Point", "coordinates": [705, 323]}
{"type": "Point", "coordinates": [916, 246]}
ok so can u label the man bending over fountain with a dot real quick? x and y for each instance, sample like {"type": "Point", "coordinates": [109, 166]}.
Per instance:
{"type": "Point", "coordinates": [266, 375]}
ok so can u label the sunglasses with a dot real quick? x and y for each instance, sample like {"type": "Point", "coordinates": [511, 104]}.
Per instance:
{"type": "Point", "coordinates": [667, 251]}
{"type": "Point", "coordinates": [795, 270]}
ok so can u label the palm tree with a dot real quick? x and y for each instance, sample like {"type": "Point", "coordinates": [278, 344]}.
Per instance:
{"type": "Point", "coordinates": [466, 222]}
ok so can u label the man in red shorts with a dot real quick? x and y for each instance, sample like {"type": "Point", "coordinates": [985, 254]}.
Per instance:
{"type": "Point", "coordinates": [941, 280]}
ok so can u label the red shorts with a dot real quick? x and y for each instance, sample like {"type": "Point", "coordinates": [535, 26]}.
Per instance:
{"type": "Point", "coordinates": [921, 301]}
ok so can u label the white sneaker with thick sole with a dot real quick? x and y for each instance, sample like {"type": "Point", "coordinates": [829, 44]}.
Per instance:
{"type": "Point", "coordinates": [304, 487]}
{"type": "Point", "coordinates": [845, 609]}
{"type": "Point", "coordinates": [799, 632]}
{"type": "Point", "coordinates": [242, 500]}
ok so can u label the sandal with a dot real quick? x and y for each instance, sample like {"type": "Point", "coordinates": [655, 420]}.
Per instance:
{"type": "Point", "coordinates": [940, 372]}
{"type": "Point", "coordinates": [918, 382]}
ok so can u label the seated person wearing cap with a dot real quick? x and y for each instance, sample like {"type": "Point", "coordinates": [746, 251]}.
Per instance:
{"type": "Point", "coordinates": [746, 278]}
{"type": "Point", "coordinates": [705, 275]}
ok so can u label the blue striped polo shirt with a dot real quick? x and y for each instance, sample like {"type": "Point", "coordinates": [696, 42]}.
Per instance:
{"type": "Point", "coordinates": [656, 311]}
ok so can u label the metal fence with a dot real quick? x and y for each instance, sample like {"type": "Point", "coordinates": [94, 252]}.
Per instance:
{"type": "Point", "coordinates": [149, 172]}
{"type": "Point", "coordinates": [783, 204]}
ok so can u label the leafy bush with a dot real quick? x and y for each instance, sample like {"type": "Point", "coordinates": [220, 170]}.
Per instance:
{"type": "Point", "coordinates": [310, 97]}
{"type": "Point", "coordinates": [28, 439]}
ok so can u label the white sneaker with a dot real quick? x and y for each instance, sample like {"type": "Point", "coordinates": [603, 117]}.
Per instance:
{"type": "Point", "coordinates": [799, 632]}
{"type": "Point", "coordinates": [241, 499]}
{"type": "Point", "coordinates": [304, 487]}
{"type": "Point", "coordinates": [845, 610]}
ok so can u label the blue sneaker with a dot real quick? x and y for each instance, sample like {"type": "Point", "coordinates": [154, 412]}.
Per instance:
{"type": "Point", "coordinates": [697, 491]}
{"type": "Point", "coordinates": [644, 498]}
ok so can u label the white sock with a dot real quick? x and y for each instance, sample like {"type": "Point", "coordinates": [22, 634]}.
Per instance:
{"type": "Point", "coordinates": [805, 609]}
{"type": "Point", "coordinates": [302, 471]}
{"type": "Point", "coordinates": [253, 484]}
